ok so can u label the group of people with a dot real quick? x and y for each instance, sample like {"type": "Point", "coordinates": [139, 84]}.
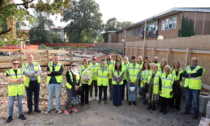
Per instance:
{"type": "Point", "coordinates": [125, 80]}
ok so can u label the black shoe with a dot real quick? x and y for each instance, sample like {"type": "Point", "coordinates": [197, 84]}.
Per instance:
{"type": "Point", "coordinates": [195, 117]}
{"type": "Point", "coordinates": [22, 117]}
{"type": "Point", "coordinates": [149, 107]}
{"type": "Point", "coordinates": [37, 110]}
{"type": "Point", "coordinates": [186, 112]}
{"type": "Point", "coordinates": [9, 119]}
{"type": "Point", "coordinates": [161, 110]}
{"type": "Point", "coordinates": [29, 111]}
{"type": "Point", "coordinates": [129, 103]}
{"type": "Point", "coordinates": [99, 101]}
{"type": "Point", "coordinates": [134, 103]}
{"type": "Point", "coordinates": [153, 107]}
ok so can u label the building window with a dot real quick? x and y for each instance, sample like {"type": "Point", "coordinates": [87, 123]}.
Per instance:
{"type": "Point", "coordinates": [136, 31]}
{"type": "Point", "coordinates": [169, 23]}
{"type": "Point", "coordinates": [129, 32]}
{"type": "Point", "coordinates": [120, 34]}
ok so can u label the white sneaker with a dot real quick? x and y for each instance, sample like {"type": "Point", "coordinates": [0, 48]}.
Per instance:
{"type": "Point", "coordinates": [59, 111]}
{"type": "Point", "coordinates": [48, 112]}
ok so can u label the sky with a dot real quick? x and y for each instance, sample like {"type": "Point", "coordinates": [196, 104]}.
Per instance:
{"type": "Point", "coordinates": [137, 10]}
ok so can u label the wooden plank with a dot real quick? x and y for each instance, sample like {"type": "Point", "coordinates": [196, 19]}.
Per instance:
{"type": "Point", "coordinates": [33, 51]}
{"type": "Point", "coordinates": [9, 58]}
{"type": "Point", "coordinates": [58, 51]}
{"type": "Point", "coordinates": [9, 50]}
{"type": "Point", "coordinates": [200, 51]}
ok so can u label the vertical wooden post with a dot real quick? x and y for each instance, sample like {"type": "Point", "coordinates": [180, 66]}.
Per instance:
{"type": "Point", "coordinates": [187, 57]}
{"type": "Point", "coordinates": [168, 55]}
{"type": "Point", "coordinates": [48, 56]}
{"type": "Point", "coordinates": [21, 56]}
{"type": "Point", "coordinates": [153, 52]}
{"type": "Point", "coordinates": [144, 46]}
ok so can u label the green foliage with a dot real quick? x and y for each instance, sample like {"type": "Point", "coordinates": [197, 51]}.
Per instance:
{"type": "Point", "coordinates": [85, 21]}
{"type": "Point", "coordinates": [105, 36]}
{"type": "Point", "coordinates": [43, 46]}
{"type": "Point", "coordinates": [20, 13]}
{"type": "Point", "coordinates": [187, 28]}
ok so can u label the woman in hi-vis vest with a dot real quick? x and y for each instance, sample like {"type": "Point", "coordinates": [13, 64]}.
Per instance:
{"type": "Point", "coordinates": [117, 83]}
{"type": "Point", "coordinates": [72, 85]}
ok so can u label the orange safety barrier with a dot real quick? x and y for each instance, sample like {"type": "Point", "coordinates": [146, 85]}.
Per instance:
{"type": "Point", "coordinates": [35, 47]}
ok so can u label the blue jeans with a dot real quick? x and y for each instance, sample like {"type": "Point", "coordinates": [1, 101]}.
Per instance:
{"type": "Point", "coordinates": [192, 95]}
{"type": "Point", "coordinates": [54, 88]}
{"type": "Point", "coordinates": [143, 95]}
{"type": "Point", "coordinates": [132, 96]}
{"type": "Point", "coordinates": [11, 104]}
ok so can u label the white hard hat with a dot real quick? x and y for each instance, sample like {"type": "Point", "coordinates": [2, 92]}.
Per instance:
{"type": "Point", "coordinates": [132, 89]}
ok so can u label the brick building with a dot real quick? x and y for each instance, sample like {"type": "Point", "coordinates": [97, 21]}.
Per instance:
{"type": "Point", "coordinates": [166, 24]}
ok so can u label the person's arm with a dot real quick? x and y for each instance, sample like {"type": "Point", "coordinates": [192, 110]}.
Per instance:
{"type": "Point", "coordinates": [198, 73]}
{"type": "Point", "coordinates": [79, 81]}
{"type": "Point", "coordinates": [184, 74]}
{"type": "Point", "coordinates": [27, 72]}
{"type": "Point", "coordinates": [138, 77]}
{"type": "Point", "coordinates": [56, 73]}
{"type": "Point", "coordinates": [39, 72]}
{"type": "Point", "coordinates": [114, 77]}
{"type": "Point", "coordinates": [128, 77]}
{"type": "Point", "coordinates": [122, 76]}
{"type": "Point", "coordinates": [68, 79]}
{"type": "Point", "coordinates": [180, 77]}
{"type": "Point", "coordinates": [160, 84]}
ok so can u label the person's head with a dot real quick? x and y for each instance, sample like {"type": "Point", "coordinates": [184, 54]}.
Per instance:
{"type": "Point", "coordinates": [133, 59]}
{"type": "Point", "coordinates": [85, 62]}
{"type": "Point", "coordinates": [125, 59]}
{"type": "Point", "coordinates": [154, 68]}
{"type": "Point", "coordinates": [155, 60]}
{"type": "Point", "coordinates": [146, 59]}
{"type": "Point", "coordinates": [94, 59]}
{"type": "Point", "coordinates": [118, 65]}
{"type": "Point", "coordinates": [176, 64]}
{"type": "Point", "coordinates": [73, 65]}
{"type": "Point", "coordinates": [139, 58]}
{"type": "Point", "coordinates": [56, 58]}
{"type": "Point", "coordinates": [194, 61]}
{"type": "Point", "coordinates": [15, 63]}
{"type": "Point", "coordinates": [163, 62]}
{"type": "Point", "coordinates": [108, 57]}
{"type": "Point", "coordinates": [146, 66]}
{"type": "Point", "coordinates": [103, 63]}
{"type": "Point", "coordinates": [30, 58]}
{"type": "Point", "coordinates": [119, 58]}
{"type": "Point", "coordinates": [167, 69]}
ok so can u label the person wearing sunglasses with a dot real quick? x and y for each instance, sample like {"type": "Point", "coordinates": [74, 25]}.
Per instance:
{"type": "Point", "coordinates": [16, 88]}
{"type": "Point", "coordinates": [73, 79]}
{"type": "Point", "coordinates": [54, 80]}
{"type": "Point", "coordinates": [32, 71]}
{"type": "Point", "coordinates": [94, 66]}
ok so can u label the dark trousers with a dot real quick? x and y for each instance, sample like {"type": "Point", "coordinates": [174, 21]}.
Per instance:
{"type": "Point", "coordinates": [117, 94]}
{"type": "Point", "coordinates": [94, 84]}
{"type": "Point", "coordinates": [110, 88]}
{"type": "Point", "coordinates": [124, 90]}
{"type": "Point", "coordinates": [104, 89]}
{"type": "Point", "coordinates": [70, 93]}
{"type": "Point", "coordinates": [166, 102]}
{"type": "Point", "coordinates": [34, 88]}
{"type": "Point", "coordinates": [85, 93]}
{"type": "Point", "coordinates": [177, 102]}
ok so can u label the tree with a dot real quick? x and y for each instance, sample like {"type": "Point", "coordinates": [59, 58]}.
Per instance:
{"type": "Point", "coordinates": [85, 20]}
{"type": "Point", "coordinates": [187, 28]}
{"type": "Point", "coordinates": [39, 33]}
{"type": "Point", "coordinates": [10, 11]}
{"type": "Point", "coordinates": [125, 24]}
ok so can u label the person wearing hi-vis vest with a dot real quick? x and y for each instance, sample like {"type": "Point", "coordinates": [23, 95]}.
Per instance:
{"type": "Point", "coordinates": [110, 64]}
{"type": "Point", "coordinates": [125, 63]}
{"type": "Point", "coordinates": [153, 79]}
{"type": "Point", "coordinates": [94, 66]}
{"type": "Point", "coordinates": [155, 61]}
{"type": "Point", "coordinates": [193, 83]}
{"type": "Point", "coordinates": [54, 80]}
{"type": "Point", "coordinates": [73, 83]}
{"type": "Point", "coordinates": [117, 83]}
{"type": "Point", "coordinates": [16, 88]}
{"type": "Point", "coordinates": [133, 75]}
{"type": "Point", "coordinates": [177, 87]}
{"type": "Point", "coordinates": [86, 77]}
{"type": "Point", "coordinates": [103, 80]}
{"type": "Point", "coordinates": [140, 61]}
{"type": "Point", "coordinates": [166, 89]}
{"type": "Point", "coordinates": [143, 85]}
{"type": "Point", "coordinates": [32, 71]}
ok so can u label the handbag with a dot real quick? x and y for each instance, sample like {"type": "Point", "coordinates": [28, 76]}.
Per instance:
{"type": "Point", "coordinates": [75, 100]}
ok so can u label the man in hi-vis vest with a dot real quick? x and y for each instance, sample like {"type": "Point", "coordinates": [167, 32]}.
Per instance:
{"type": "Point", "coordinates": [193, 84]}
{"type": "Point", "coordinates": [32, 71]}
{"type": "Point", "coordinates": [16, 89]}
{"type": "Point", "coordinates": [54, 80]}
